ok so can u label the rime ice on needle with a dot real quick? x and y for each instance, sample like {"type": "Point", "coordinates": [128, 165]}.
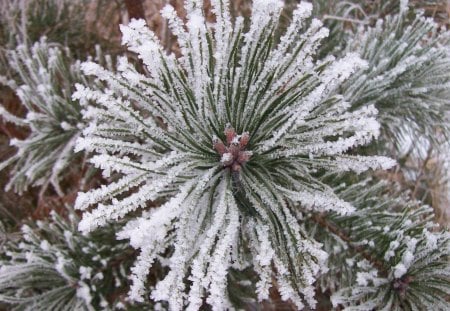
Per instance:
{"type": "Point", "coordinates": [53, 267]}
{"type": "Point", "coordinates": [226, 81]}
{"type": "Point", "coordinates": [45, 74]}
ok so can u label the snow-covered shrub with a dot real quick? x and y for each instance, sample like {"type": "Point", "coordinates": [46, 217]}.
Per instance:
{"type": "Point", "coordinates": [229, 138]}
{"type": "Point", "coordinates": [54, 267]}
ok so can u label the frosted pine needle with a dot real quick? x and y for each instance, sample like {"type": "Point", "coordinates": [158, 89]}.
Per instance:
{"type": "Point", "coordinates": [44, 75]}
{"type": "Point", "coordinates": [53, 267]}
{"type": "Point", "coordinates": [229, 137]}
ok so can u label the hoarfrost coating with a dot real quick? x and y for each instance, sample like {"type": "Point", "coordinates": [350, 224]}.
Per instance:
{"type": "Point", "coordinates": [164, 143]}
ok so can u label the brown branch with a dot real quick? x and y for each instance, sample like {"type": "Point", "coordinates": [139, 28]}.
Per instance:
{"type": "Point", "coordinates": [135, 9]}
{"type": "Point", "coordinates": [331, 227]}
{"type": "Point", "coordinates": [422, 172]}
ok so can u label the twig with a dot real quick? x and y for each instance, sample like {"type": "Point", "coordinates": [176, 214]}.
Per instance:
{"type": "Point", "coordinates": [422, 171]}
{"type": "Point", "coordinates": [343, 19]}
{"type": "Point", "coordinates": [331, 227]}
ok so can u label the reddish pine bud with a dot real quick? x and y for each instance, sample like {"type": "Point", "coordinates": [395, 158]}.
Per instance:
{"type": "Point", "coordinates": [401, 285]}
{"type": "Point", "coordinates": [230, 133]}
{"type": "Point", "coordinates": [233, 153]}
{"type": "Point", "coordinates": [234, 150]}
{"type": "Point", "coordinates": [236, 167]}
{"type": "Point", "coordinates": [245, 137]}
{"type": "Point", "coordinates": [219, 146]}
{"type": "Point", "coordinates": [244, 156]}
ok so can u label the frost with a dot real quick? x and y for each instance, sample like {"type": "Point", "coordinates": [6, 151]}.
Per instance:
{"type": "Point", "coordinates": [390, 252]}
{"type": "Point", "coordinates": [50, 261]}
{"type": "Point", "coordinates": [227, 138]}
{"type": "Point", "coordinates": [84, 292]}
{"type": "Point", "coordinates": [399, 270]}
{"type": "Point", "coordinates": [85, 272]}
{"type": "Point", "coordinates": [45, 74]}
{"type": "Point", "coordinates": [226, 158]}
{"type": "Point", "coordinates": [431, 239]}
{"type": "Point", "coordinates": [45, 245]}
{"type": "Point", "coordinates": [404, 5]}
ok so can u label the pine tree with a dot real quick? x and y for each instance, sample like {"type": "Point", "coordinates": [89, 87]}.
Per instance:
{"type": "Point", "coordinates": [239, 144]}
{"type": "Point", "coordinates": [251, 160]}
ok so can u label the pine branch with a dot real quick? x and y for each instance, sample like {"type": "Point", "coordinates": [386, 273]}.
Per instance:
{"type": "Point", "coordinates": [43, 81]}
{"type": "Point", "coordinates": [332, 228]}
{"type": "Point", "coordinates": [228, 136]}
{"type": "Point", "coordinates": [234, 150]}
{"type": "Point", "coordinates": [389, 245]}
{"type": "Point", "coordinates": [53, 267]}
{"type": "Point", "coordinates": [407, 78]}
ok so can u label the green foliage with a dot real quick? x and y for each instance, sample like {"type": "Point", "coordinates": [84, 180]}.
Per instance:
{"type": "Point", "coordinates": [61, 21]}
{"type": "Point", "coordinates": [388, 255]}
{"type": "Point", "coordinates": [45, 75]}
{"type": "Point", "coordinates": [241, 139]}
{"type": "Point", "coordinates": [407, 79]}
{"type": "Point", "coordinates": [54, 267]}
